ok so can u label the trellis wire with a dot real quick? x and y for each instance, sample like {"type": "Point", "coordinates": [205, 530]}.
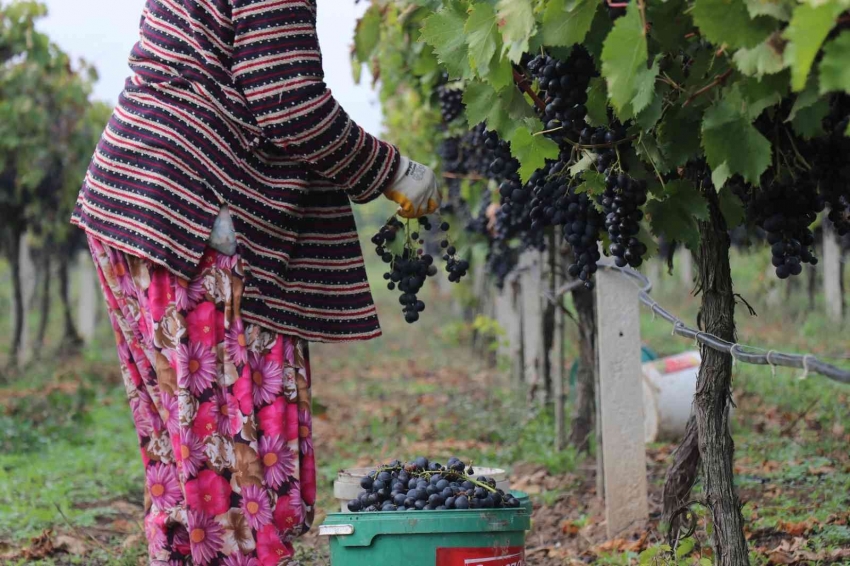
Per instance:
{"type": "Point", "coordinates": [807, 362]}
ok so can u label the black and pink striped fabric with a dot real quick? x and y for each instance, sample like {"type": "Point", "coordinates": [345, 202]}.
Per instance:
{"type": "Point", "coordinates": [228, 104]}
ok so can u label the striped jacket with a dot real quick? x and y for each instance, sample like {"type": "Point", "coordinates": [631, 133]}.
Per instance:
{"type": "Point", "coordinates": [228, 104]}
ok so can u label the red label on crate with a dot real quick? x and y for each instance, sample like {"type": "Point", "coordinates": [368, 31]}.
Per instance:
{"type": "Point", "coordinates": [513, 556]}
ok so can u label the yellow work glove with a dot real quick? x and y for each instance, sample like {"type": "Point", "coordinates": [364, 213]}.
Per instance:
{"type": "Point", "coordinates": [415, 189]}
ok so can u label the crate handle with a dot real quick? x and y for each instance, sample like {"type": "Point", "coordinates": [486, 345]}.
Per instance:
{"type": "Point", "coordinates": [335, 530]}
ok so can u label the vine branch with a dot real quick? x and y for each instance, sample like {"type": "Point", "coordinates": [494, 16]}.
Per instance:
{"type": "Point", "coordinates": [525, 86]}
{"type": "Point", "coordinates": [720, 79]}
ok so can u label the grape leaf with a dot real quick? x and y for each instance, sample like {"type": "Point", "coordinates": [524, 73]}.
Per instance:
{"type": "Point", "coordinates": [763, 59]}
{"type": "Point", "coordinates": [835, 65]}
{"type": "Point", "coordinates": [652, 113]}
{"type": "Point", "coordinates": [584, 164]}
{"type": "Point", "coordinates": [482, 36]}
{"type": "Point", "coordinates": [597, 102]}
{"type": "Point", "coordinates": [503, 111]}
{"type": "Point", "coordinates": [566, 22]}
{"type": "Point", "coordinates": [847, 131]}
{"type": "Point", "coordinates": [731, 207]}
{"type": "Point", "coordinates": [669, 36]}
{"type": "Point", "coordinates": [645, 237]}
{"type": "Point", "coordinates": [644, 88]}
{"type": "Point", "coordinates": [531, 151]}
{"type": "Point", "coordinates": [779, 9]}
{"type": "Point", "coordinates": [809, 27]}
{"type": "Point", "coordinates": [647, 149]}
{"type": "Point", "coordinates": [624, 57]}
{"type": "Point", "coordinates": [599, 30]}
{"type": "Point", "coordinates": [367, 33]}
{"type": "Point", "coordinates": [516, 18]}
{"type": "Point", "coordinates": [731, 143]}
{"type": "Point", "coordinates": [675, 217]}
{"type": "Point", "coordinates": [501, 73]}
{"type": "Point", "coordinates": [593, 184]}
{"type": "Point", "coordinates": [678, 134]}
{"type": "Point", "coordinates": [482, 104]}
{"type": "Point", "coordinates": [444, 31]}
{"type": "Point", "coordinates": [728, 22]}
{"type": "Point", "coordinates": [759, 94]}
{"type": "Point", "coordinates": [805, 99]}
{"type": "Point", "coordinates": [808, 121]}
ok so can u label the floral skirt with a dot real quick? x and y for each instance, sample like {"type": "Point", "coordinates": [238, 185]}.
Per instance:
{"type": "Point", "coordinates": [222, 411]}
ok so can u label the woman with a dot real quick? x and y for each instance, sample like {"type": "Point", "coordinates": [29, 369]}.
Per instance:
{"type": "Point", "coordinates": [217, 207]}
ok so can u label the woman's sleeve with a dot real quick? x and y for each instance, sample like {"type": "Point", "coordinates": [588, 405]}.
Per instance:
{"type": "Point", "coordinates": [278, 66]}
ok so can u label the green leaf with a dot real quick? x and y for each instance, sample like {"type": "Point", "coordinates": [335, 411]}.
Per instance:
{"type": "Point", "coordinates": [779, 9]}
{"type": "Point", "coordinates": [645, 237]}
{"type": "Point", "coordinates": [482, 103]}
{"type": "Point", "coordinates": [728, 22]}
{"type": "Point", "coordinates": [805, 99]}
{"type": "Point", "coordinates": [482, 36]}
{"type": "Point", "coordinates": [367, 33]}
{"type": "Point", "coordinates": [808, 121]}
{"type": "Point", "coordinates": [566, 22]}
{"type": "Point", "coordinates": [847, 131]}
{"type": "Point", "coordinates": [651, 114]}
{"type": "Point", "coordinates": [531, 151]}
{"type": "Point", "coordinates": [675, 217]}
{"type": "Point", "coordinates": [502, 111]}
{"type": "Point", "coordinates": [763, 59]}
{"type": "Point", "coordinates": [644, 88]}
{"type": "Point", "coordinates": [593, 184]}
{"type": "Point", "coordinates": [731, 142]}
{"type": "Point", "coordinates": [731, 207]}
{"type": "Point", "coordinates": [669, 35]}
{"type": "Point", "coordinates": [444, 31]}
{"type": "Point", "coordinates": [624, 57]}
{"type": "Point", "coordinates": [759, 94]}
{"type": "Point", "coordinates": [584, 164]}
{"type": "Point", "coordinates": [835, 65]}
{"type": "Point", "coordinates": [501, 73]}
{"type": "Point", "coordinates": [678, 134]}
{"type": "Point", "coordinates": [808, 29]}
{"type": "Point", "coordinates": [516, 18]}
{"type": "Point", "coordinates": [597, 102]}
{"type": "Point", "coordinates": [647, 149]}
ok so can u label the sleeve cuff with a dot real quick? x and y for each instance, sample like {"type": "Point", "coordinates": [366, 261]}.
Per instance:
{"type": "Point", "coordinates": [388, 169]}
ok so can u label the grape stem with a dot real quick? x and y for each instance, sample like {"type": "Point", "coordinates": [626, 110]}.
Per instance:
{"type": "Point", "coordinates": [578, 145]}
{"type": "Point", "coordinates": [720, 79]}
{"type": "Point", "coordinates": [430, 473]}
{"type": "Point", "coordinates": [468, 177]}
{"type": "Point", "coordinates": [524, 85]}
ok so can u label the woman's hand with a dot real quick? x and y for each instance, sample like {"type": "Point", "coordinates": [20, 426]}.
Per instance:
{"type": "Point", "coordinates": [415, 189]}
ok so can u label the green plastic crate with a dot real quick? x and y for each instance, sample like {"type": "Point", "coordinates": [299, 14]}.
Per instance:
{"type": "Point", "coordinates": [475, 537]}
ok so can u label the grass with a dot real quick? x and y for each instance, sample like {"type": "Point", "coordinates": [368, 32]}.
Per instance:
{"type": "Point", "coordinates": [68, 452]}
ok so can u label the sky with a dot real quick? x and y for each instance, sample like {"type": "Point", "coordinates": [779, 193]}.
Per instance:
{"type": "Point", "coordinates": [104, 31]}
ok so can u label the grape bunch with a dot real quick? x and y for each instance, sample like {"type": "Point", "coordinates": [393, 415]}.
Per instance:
{"type": "Point", "coordinates": [605, 156]}
{"type": "Point", "coordinates": [831, 165]}
{"type": "Point", "coordinates": [421, 485]}
{"type": "Point", "coordinates": [563, 86]}
{"type": "Point", "coordinates": [582, 224]}
{"type": "Point", "coordinates": [410, 269]}
{"type": "Point", "coordinates": [547, 186]}
{"type": "Point", "coordinates": [785, 212]}
{"type": "Point", "coordinates": [621, 202]}
{"type": "Point", "coordinates": [451, 102]}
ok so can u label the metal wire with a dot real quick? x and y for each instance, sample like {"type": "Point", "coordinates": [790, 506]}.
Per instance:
{"type": "Point", "coordinates": [757, 356]}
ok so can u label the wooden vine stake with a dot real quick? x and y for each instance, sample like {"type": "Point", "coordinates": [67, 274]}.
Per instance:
{"type": "Point", "coordinates": [620, 408]}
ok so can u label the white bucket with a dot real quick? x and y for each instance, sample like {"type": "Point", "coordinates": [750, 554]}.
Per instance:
{"type": "Point", "coordinates": [347, 484]}
{"type": "Point", "coordinates": [669, 385]}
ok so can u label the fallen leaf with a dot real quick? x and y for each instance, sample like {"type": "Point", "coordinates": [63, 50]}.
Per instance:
{"type": "Point", "coordinates": [71, 545]}
{"type": "Point", "coordinates": [796, 529]}
{"type": "Point", "coordinates": [570, 528]}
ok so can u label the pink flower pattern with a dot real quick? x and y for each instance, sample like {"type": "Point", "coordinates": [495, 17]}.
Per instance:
{"type": "Point", "coordinates": [187, 407]}
{"type": "Point", "coordinates": [278, 460]}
